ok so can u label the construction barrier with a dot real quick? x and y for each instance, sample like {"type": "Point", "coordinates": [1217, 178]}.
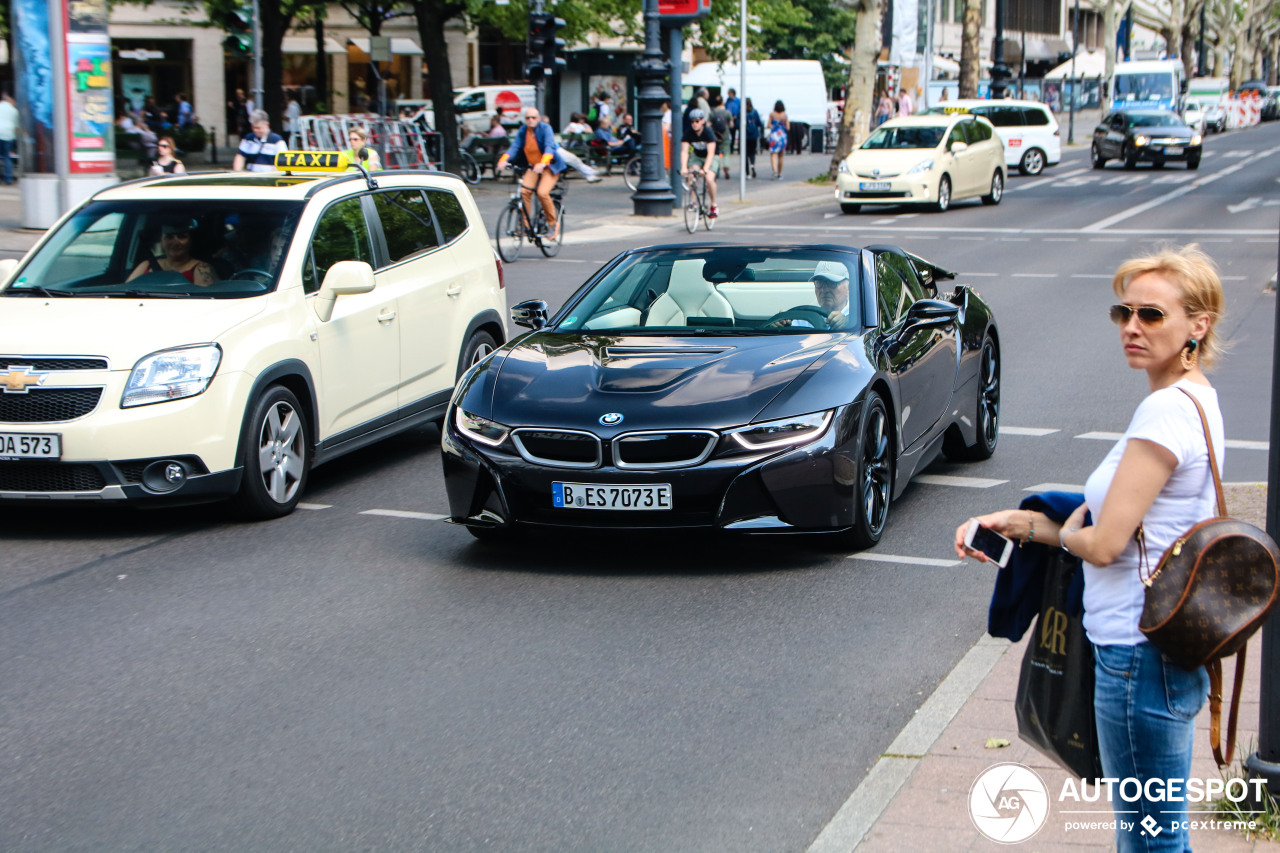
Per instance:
{"type": "Point", "coordinates": [403, 144]}
{"type": "Point", "coordinates": [1243, 112]}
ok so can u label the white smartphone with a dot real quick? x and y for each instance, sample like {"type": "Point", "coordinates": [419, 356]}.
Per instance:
{"type": "Point", "coordinates": [983, 539]}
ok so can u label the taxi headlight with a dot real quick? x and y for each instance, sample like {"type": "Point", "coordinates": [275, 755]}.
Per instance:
{"type": "Point", "coordinates": [171, 375]}
{"type": "Point", "coordinates": [921, 167]}
{"type": "Point", "coordinates": [481, 429]}
{"type": "Point", "coordinates": [843, 168]}
{"type": "Point", "coordinates": [1140, 140]}
{"type": "Point", "coordinates": [785, 431]}
{"type": "Point", "coordinates": [1196, 139]}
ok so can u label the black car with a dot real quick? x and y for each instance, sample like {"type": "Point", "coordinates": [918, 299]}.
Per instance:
{"type": "Point", "coordinates": [726, 387]}
{"type": "Point", "coordinates": [1157, 136]}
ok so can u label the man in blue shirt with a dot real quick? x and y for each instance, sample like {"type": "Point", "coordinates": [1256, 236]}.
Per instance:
{"type": "Point", "coordinates": [604, 133]}
{"type": "Point", "coordinates": [734, 106]}
{"type": "Point", "coordinates": [258, 150]}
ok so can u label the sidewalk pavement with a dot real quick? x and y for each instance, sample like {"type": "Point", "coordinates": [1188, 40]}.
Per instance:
{"type": "Point", "coordinates": [916, 796]}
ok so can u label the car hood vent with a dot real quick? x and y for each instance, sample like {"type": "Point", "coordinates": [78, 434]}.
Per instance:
{"type": "Point", "coordinates": [665, 352]}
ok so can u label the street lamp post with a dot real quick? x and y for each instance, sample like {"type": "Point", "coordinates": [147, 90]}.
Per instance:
{"type": "Point", "coordinates": [1075, 49]}
{"type": "Point", "coordinates": [999, 71]}
{"type": "Point", "coordinates": [653, 197]}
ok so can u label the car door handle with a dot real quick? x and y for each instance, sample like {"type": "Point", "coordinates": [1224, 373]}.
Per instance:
{"type": "Point", "coordinates": [453, 292]}
{"type": "Point", "coordinates": [386, 317]}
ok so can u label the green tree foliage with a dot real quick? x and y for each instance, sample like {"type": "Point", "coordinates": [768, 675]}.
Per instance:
{"type": "Point", "coordinates": [783, 29]}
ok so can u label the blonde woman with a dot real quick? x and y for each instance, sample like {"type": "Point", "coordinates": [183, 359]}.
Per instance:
{"type": "Point", "coordinates": [358, 138]}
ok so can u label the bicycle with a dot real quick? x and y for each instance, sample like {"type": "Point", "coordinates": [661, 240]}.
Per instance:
{"type": "Point", "coordinates": [513, 227]}
{"type": "Point", "coordinates": [695, 202]}
{"type": "Point", "coordinates": [631, 173]}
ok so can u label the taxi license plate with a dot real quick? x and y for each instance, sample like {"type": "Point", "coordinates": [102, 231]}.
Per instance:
{"type": "Point", "coordinates": [1173, 149]}
{"type": "Point", "coordinates": [19, 445]}
{"type": "Point", "coordinates": [874, 186]}
{"type": "Point", "coordinates": [595, 496]}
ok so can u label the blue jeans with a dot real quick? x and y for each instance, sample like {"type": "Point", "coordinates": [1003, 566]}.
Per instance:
{"type": "Point", "coordinates": [1146, 708]}
{"type": "Point", "coordinates": [6, 148]}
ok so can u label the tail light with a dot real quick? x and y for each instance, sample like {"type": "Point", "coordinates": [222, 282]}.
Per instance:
{"type": "Point", "coordinates": [502, 278]}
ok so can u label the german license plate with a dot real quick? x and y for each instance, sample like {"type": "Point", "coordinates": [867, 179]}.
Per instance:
{"type": "Point", "coordinates": [1173, 149]}
{"type": "Point", "coordinates": [595, 496]}
{"type": "Point", "coordinates": [20, 445]}
{"type": "Point", "coordinates": [874, 186]}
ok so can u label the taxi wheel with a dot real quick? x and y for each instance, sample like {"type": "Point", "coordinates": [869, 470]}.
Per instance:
{"type": "Point", "coordinates": [1032, 162]}
{"type": "Point", "coordinates": [849, 208]}
{"type": "Point", "coordinates": [478, 347]}
{"type": "Point", "coordinates": [997, 189]}
{"type": "Point", "coordinates": [944, 194]}
{"type": "Point", "coordinates": [874, 483]}
{"type": "Point", "coordinates": [277, 456]}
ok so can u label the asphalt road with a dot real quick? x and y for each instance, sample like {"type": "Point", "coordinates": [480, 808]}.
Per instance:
{"type": "Point", "coordinates": [360, 676]}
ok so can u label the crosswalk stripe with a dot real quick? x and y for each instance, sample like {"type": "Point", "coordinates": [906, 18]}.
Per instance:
{"type": "Point", "coordinates": [304, 505]}
{"type": "Point", "coordinates": [1236, 443]}
{"type": "Point", "coordinates": [963, 482]}
{"type": "Point", "coordinates": [401, 513]}
{"type": "Point", "coordinates": [1036, 431]}
{"type": "Point", "coordinates": [907, 561]}
{"type": "Point", "coordinates": [1055, 487]}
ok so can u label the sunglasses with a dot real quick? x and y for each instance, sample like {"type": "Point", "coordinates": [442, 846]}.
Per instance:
{"type": "Point", "coordinates": [163, 145]}
{"type": "Point", "coordinates": [1147, 315]}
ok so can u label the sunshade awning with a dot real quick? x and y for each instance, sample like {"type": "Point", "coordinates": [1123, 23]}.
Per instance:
{"type": "Point", "coordinates": [405, 46]}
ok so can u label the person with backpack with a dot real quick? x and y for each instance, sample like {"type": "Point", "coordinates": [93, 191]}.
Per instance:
{"type": "Point", "coordinates": [752, 127]}
{"type": "Point", "coordinates": [722, 126]}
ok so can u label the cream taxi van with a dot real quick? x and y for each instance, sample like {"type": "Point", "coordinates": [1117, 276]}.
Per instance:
{"type": "Point", "coordinates": [217, 335]}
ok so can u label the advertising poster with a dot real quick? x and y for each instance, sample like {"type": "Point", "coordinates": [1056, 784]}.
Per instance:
{"type": "Point", "coordinates": [90, 115]}
{"type": "Point", "coordinates": [33, 73]}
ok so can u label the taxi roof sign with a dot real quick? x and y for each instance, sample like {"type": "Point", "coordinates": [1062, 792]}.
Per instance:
{"type": "Point", "coordinates": [312, 161]}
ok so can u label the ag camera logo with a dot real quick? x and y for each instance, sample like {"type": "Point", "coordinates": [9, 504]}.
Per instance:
{"type": "Point", "coordinates": [1009, 803]}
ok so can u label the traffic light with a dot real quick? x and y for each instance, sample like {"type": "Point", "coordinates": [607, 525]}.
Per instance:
{"type": "Point", "coordinates": [544, 44]}
{"type": "Point", "coordinates": [238, 22]}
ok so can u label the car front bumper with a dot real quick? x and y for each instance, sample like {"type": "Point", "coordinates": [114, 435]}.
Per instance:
{"type": "Point", "coordinates": [1166, 152]}
{"type": "Point", "coordinates": [902, 189]}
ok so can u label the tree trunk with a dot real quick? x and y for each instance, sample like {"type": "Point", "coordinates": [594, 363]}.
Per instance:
{"type": "Point", "coordinates": [322, 65]}
{"type": "Point", "coordinates": [1109, 15]}
{"type": "Point", "coordinates": [970, 49]}
{"type": "Point", "coordinates": [855, 124]}
{"type": "Point", "coordinates": [275, 22]}
{"type": "Point", "coordinates": [432, 15]}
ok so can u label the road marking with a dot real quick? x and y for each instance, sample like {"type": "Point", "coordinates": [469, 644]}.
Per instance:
{"type": "Point", "coordinates": [1230, 154]}
{"type": "Point", "coordinates": [1124, 179]}
{"type": "Point", "coordinates": [885, 222]}
{"type": "Point", "coordinates": [1247, 204]}
{"type": "Point", "coordinates": [568, 261]}
{"type": "Point", "coordinates": [906, 561]}
{"type": "Point", "coordinates": [401, 513]}
{"type": "Point", "coordinates": [1036, 431]}
{"type": "Point", "coordinates": [1105, 224]}
{"type": "Point", "coordinates": [1061, 239]}
{"type": "Point", "coordinates": [979, 239]}
{"type": "Point", "coordinates": [1107, 240]}
{"type": "Point", "coordinates": [1015, 239]}
{"type": "Point", "coordinates": [1236, 443]}
{"type": "Point", "coordinates": [962, 482]}
{"type": "Point", "coordinates": [1046, 181]}
{"type": "Point", "coordinates": [1054, 487]}
{"type": "Point", "coordinates": [314, 506]}
{"type": "Point", "coordinates": [986, 233]}
{"type": "Point", "coordinates": [1175, 178]}
{"type": "Point", "coordinates": [1107, 276]}
{"type": "Point", "coordinates": [978, 274]}
{"type": "Point", "coordinates": [1035, 275]}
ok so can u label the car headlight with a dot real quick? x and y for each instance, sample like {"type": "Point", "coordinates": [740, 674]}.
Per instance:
{"type": "Point", "coordinates": [783, 432]}
{"type": "Point", "coordinates": [481, 429]}
{"type": "Point", "coordinates": [1140, 140]}
{"type": "Point", "coordinates": [1196, 139]}
{"type": "Point", "coordinates": [171, 375]}
{"type": "Point", "coordinates": [921, 167]}
{"type": "Point", "coordinates": [843, 168]}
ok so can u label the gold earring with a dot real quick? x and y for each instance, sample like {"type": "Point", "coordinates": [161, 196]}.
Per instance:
{"type": "Point", "coordinates": [1190, 354]}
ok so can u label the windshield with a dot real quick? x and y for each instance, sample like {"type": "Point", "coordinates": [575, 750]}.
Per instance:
{"type": "Point", "coordinates": [722, 290]}
{"type": "Point", "coordinates": [906, 137]}
{"type": "Point", "coordinates": [1154, 120]}
{"type": "Point", "coordinates": [191, 249]}
{"type": "Point", "coordinates": [1144, 87]}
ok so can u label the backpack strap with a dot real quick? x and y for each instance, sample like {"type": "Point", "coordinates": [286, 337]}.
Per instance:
{"type": "Point", "coordinates": [1215, 707]}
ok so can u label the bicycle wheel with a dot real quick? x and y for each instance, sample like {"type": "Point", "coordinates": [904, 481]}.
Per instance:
{"type": "Point", "coordinates": [549, 247]}
{"type": "Point", "coordinates": [468, 168]}
{"type": "Point", "coordinates": [708, 221]}
{"type": "Point", "coordinates": [632, 173]}
{"type": "Point", "coordinates": [692, 208]}
{"type": "Point", "coordinates": [509, 233]}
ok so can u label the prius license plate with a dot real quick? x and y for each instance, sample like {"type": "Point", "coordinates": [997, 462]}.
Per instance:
{"type": "Point", "coordinates": [874, 186]}
{"type": "Point", "coordinates": [25, 445]}
{"type": "Point", "coordinates": [595, 496]}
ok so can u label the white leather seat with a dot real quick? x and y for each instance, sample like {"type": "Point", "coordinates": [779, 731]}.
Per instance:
{"type": "Point", "coordinates": [688, 295]}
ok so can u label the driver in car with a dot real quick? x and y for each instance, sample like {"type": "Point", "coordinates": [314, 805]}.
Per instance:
{"type": "Point", "coordinates": [175, 243]}
{"type": "Point", "coordinates": [831, 292]}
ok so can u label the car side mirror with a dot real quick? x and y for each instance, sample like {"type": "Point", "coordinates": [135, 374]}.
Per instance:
{"type": "Point", "coordinates": [7, 266]}
{"type": "Point", "coordinates": [342, 279]}
{"type": "Point", "coordinates": [931, 312]}
{"type": "Point", "coordinates": [958, 147]}
{"type": "Point", "coordinates": [532, 314]}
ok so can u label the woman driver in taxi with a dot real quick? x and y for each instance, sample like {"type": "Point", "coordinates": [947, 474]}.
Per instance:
{"type": "Point", "coordinates": [175, 241]}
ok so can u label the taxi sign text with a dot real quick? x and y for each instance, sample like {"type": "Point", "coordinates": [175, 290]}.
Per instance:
{"type": "Point", "coordinates": [311, 161]}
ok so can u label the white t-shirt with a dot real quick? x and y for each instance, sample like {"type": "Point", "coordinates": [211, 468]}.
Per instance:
{"type": "Point", "coordinates": [1113, 595]}
{"type": "Point", "coordinates": [8, 121]}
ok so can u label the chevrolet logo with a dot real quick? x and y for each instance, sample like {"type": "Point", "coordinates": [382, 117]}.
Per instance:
{"type": "Point", "coordinates": [17, 380]}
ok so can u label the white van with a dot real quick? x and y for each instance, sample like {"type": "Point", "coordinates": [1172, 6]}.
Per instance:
{"type": "Point", "coordinates": [1028, 129]}
{"type": "Point", "coordinates": [476, 104]}
{"type": "Point", "coordinates": [798, 83]}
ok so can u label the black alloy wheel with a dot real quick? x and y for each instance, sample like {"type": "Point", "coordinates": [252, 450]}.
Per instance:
{"type": "Point", "coordinates": [1032, 162]}
{"type": "Point", "coordinates": [874, 482]}
{"type": "Point", "coordinates": [276, 456]}
{"type": "Point", "coordinates": [1130, 156]}
{"type": "Point", "coordinates": [987, 411]}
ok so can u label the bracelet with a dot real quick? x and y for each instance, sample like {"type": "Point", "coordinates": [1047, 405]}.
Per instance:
{"type": "Point", "coordinates": [1031, 534]}
{"type": "Point", "coordinates": [1061, 532]}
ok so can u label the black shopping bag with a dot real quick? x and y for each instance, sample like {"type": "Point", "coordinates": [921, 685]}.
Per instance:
{"type": "Point", "coordinates": [1055, 689]}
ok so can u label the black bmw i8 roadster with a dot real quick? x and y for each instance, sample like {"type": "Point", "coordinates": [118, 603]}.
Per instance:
{"type": "Point", "coordinates": [760, 389]}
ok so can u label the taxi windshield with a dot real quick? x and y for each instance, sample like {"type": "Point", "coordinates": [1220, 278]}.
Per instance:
{"type": "Point", "coordinates": [188, 249]}
{"type": "Point", "coordinates": [906, 137]}
{"type": "Point", "coordinates": [717, 291]}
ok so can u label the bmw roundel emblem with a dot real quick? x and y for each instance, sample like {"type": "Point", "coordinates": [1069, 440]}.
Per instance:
{"type": "Point", "coordinates": [611, 419]}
